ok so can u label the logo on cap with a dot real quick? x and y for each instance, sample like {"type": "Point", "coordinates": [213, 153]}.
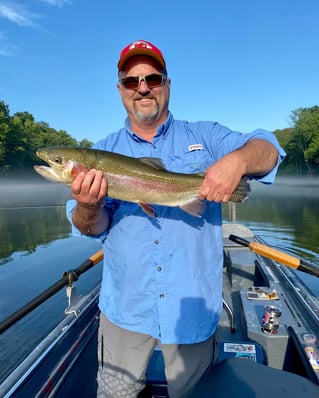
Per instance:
{"type": "Point", "coordinates": [140, 44]}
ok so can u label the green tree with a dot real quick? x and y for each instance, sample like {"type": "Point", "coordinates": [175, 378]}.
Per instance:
{"type": "Point", "coordinates": [19, 141]}
{"type": "Point", "coordinates": [21, 136]}
{"type": "Point", "coordinates": [312, 153]}
{"type": "Point", "coordinates": [306, 134]}
{"type": "Point", "coordinates": [85, 143]}
{"type": "Point", "coordinates": [301, 142]}
{"type": "Point", "coordinates": [4, 130]}
{"type": "Point", "coordinates": [284, 136]}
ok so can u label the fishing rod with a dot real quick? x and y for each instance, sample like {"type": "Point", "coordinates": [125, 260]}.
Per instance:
{"type": "Point", "coordinates": [66, 280]}
{"type": "Point", "coordinates": [277, 255]}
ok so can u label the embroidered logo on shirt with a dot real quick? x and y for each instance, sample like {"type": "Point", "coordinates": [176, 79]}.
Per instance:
{"type": "Point", "coordinates": [195, 147]}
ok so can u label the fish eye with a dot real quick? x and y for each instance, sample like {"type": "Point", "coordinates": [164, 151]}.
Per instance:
{"type": "Point", "coordinates": [57, 159]}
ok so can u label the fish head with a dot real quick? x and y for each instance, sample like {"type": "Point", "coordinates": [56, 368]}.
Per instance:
{"type": "Point", "coordinates": [62, 165]}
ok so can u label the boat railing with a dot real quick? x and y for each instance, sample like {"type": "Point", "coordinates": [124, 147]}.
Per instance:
{"type": "Point", "coordinates": [76, 306]}
{"type": "Point", "coordinates": [36, 356]}
{"type": "Point", "coordinates": [298, 289]}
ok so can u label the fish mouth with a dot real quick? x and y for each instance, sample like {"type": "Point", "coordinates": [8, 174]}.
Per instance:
{"type": "Point", "coordinates": [48, 172]}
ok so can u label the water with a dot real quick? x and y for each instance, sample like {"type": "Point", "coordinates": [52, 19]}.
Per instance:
{"type": "Point", "coordinates": [286, 216]}
{"type": "Point", "coordinates": [36, 247]}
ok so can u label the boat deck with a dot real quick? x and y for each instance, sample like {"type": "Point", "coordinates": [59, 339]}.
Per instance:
{"type": "Point", "coordinates": [246, 272]}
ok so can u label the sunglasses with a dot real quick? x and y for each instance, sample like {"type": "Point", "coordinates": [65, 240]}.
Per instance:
{"type": "Point", "coordinates": [152, 80]}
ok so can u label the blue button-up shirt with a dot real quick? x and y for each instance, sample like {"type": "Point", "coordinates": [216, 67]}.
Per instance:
{"type": "Point", "coordinates": [163, 276]}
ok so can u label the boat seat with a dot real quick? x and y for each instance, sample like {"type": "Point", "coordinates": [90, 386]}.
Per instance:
{"type": "Point", "coordinates": [237, 377]}
{"type": "Point", "coordinates": [242, 376]}
{"type": "Point", "coordinates": [155, 373]}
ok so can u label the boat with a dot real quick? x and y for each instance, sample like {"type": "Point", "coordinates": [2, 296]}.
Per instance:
{"type": "Point", "coordinates": [267, 337]}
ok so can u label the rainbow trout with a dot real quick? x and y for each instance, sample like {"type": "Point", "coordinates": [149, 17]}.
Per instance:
{"type": "Point", "coordinates": [139, 180]}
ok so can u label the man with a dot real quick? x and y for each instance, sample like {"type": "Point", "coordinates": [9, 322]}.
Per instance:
{"type": "Point", "coordinates": [162, 278]}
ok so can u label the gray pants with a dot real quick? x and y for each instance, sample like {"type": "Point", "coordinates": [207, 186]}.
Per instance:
{"type": "Point", "coordinates": [124, 356]}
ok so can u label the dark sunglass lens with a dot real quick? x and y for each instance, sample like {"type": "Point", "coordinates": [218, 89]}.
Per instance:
{"type": "Point", "coordinates": [154, 80]}
{"type": "Point", "coordinates": [131, 82]}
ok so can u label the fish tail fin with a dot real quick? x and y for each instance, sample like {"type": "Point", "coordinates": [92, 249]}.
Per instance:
{"type": "Point", "coordinates": [242, 191]}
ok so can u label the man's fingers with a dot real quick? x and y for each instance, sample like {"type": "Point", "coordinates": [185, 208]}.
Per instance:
{"type": "Point", "coordinates": [90, 188]}
{"type": "Point", "coordinates": [77, 183]}
{"type": "Point", "coordinates": [208, 193]}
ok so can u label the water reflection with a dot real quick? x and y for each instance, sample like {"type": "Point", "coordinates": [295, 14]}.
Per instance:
{"type": "Point", "coordinates": [31, 214]}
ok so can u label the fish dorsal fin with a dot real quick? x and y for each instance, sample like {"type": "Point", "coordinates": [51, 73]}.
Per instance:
{"type": "Point", "coordinates": [154, 162]}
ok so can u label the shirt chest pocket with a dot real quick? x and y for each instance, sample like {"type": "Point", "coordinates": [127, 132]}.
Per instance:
{"type": "Point", "coordinates": [190, 162]}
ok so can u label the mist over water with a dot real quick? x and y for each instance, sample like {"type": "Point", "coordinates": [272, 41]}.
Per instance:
{"type": "Point", "coordinates": [32, 192]}
{"type": "Point", "coordinates": [289, 186]}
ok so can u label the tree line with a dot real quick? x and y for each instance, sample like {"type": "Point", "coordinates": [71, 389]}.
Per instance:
{"type": "Point", "coordinates": [21, 136]}
{"type": "Point", "coordinates": [301, 142]}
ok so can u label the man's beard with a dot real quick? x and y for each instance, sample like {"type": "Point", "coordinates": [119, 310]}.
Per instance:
{"type": "Point", "coordinates": [147, 117]}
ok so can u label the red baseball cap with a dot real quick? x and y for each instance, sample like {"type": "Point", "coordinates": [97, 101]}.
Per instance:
{"type": "Point", "coordinates": [141, 47]}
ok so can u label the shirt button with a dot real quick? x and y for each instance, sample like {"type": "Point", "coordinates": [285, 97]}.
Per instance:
{"type": "Point", "coordinates": [159, 268]}
{"type": "Point", "coordinates": [161, 295]}
{"type": "Point", "coordinates": [156, 241]}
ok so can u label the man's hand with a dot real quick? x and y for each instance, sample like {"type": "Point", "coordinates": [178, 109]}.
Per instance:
{"type": "Point", "coordinates": [89, 190]}
{"type": "Point", "coordinates": [256, 158]}
{"type": "Point", "coordinates": [221, 179]}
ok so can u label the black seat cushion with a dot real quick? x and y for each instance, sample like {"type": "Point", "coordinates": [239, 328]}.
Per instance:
{"type": "Point", "coordinates": [237, 377]}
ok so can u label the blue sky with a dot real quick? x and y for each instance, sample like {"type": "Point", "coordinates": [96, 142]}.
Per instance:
{"type": "Point", "coordinates": [246, 64]}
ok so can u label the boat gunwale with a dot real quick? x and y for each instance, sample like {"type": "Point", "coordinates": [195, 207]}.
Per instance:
{"type": "Point", "coordinates": [33, 360]}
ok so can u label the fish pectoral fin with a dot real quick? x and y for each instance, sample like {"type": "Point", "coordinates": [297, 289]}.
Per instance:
{"type": "Point", "coordinates": [195, 207]}
{"type": "Point", "coordinates": [148, 209]}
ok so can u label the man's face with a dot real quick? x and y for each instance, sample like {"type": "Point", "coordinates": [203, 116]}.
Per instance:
{"type": "Point", "coordinates": [144, 105]}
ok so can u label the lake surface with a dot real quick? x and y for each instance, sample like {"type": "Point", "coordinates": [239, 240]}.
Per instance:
{"type": "Point", "coordinates": [36, 247]}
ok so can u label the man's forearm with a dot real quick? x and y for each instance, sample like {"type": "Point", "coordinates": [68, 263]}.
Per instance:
{"type": "Point", "coordinates": [90, 220]}
{"type": "Point", "coordinates": [259, 157]}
